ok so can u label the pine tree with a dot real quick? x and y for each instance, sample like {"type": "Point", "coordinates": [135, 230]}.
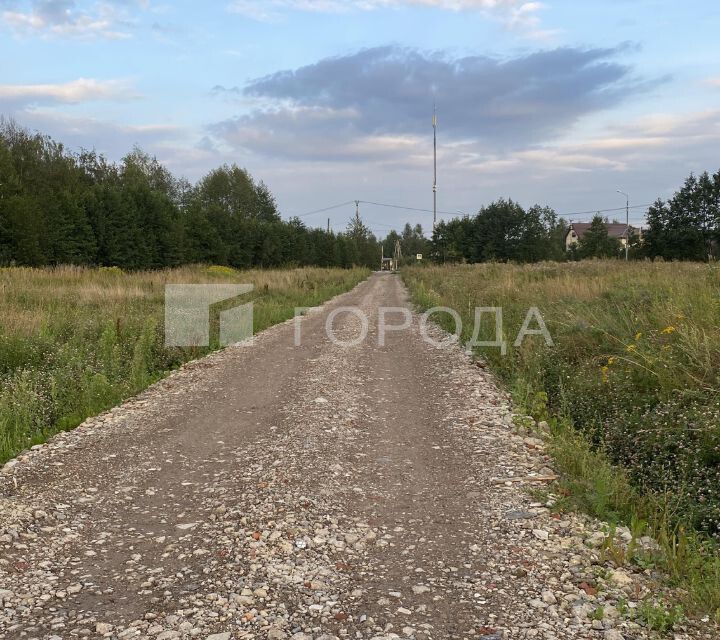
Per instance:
{"type": "Point", "coordinates": [597, 243]}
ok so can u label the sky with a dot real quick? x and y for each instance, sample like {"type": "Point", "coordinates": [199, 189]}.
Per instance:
{"type": "Point", "coordinates": [561, 103]}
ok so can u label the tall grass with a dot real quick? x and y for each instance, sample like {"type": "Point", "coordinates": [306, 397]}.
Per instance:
{"type": "Point", "coordinates": [631, 387]}
{"type": "Point", "coordinates": [76, 341]}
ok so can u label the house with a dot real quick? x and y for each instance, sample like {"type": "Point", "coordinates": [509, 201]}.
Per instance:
{"type": "Point", "coordinates": [577, 230]}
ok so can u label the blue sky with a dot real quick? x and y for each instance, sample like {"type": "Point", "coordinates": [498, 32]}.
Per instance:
{"type": "Point", "coordinates": [559, 103]}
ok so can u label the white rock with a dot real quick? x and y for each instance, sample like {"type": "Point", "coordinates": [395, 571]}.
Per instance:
{"type": "Point", "coordinates": [596, 540]}
{"type": "Point", "coordinates": [620, 578]}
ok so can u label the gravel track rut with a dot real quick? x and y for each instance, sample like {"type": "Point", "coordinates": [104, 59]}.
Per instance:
{"type": "Point", "coordinates": [313, 491]}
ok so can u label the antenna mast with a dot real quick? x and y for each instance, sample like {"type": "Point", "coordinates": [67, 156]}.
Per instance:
{"type": "Point", "coordinates": [434, 123]}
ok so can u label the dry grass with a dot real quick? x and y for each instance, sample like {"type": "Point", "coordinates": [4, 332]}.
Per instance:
{"type": "Point", "coordinates": [631, 387]}
{"type": "Point", "coordinates": [75, 341]}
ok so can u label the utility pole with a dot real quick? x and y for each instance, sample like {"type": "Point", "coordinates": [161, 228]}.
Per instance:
{"type": "Point", "coordinates": [357, 210]}
{"type": "Point", "coordinates": [397, 255]}
{"type": "Point", "coordinates": [328, 230]}
{"type": "Point", "coordinates": [434, 123]}
{"type": "Point", "coordinates": [627, 222]}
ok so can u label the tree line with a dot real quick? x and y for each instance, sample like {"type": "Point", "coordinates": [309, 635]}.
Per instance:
{"type": "Point", "coordinates": [687, 226]}
{"type": "Point", "coordinates": [58, 207]}
{"type": "Point", "coordinates": [504, 232]}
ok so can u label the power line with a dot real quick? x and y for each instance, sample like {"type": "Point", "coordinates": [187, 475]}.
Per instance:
{"type": "Point", "coordinates": [334, 206]}
{"type": "Point", "coordinates": [594, 211]}
{"type": "Point", "coordinates": [453, 213]}
{"type": "Point", "coordinates": [398, 206]}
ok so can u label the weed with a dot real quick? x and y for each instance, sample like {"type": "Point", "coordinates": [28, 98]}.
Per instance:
{"type": "Point", "coordinates": [76, 341]}
{"type": "Point", "coordinates": [631, 391]}
{"type": "Point", "coordinates": [597, 614]}
{"type": "Point", "coordinates": [658, 617]}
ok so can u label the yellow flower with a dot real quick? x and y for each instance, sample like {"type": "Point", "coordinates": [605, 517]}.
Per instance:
{"type": "Point", "coordinates": [605, 374]}
{"type": "Point", "coordinates": [631, 348]}
{"type": "Point", "coordinates": [668, 329]}
{"type": "Point", "coordinates": [612, 360]}
{"type": "Point", "coordinates": [638, 335]}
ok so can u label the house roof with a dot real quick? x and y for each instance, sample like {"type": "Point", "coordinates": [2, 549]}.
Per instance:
{"type": "Point", "coordinates": [615, 230]}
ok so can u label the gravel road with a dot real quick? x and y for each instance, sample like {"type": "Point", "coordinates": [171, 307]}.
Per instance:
{"type": "Point", "coordinates": [313, 491]}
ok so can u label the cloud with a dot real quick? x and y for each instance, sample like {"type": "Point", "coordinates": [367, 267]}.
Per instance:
{"type": "Point", "coordinates": [515, 14]}
{"type": "Point", "coordinates": [713, 82]}
{"type": "Point", "coordinates": [14, 96]}
{"type": "Point", "coordinates": [656, 144]}
{"type": "Point", "coordinates": [339, 107]}
{"type": "Point", "coordinates": [110, 138]}
{"type": "Point", "coordinates": [65, 19]}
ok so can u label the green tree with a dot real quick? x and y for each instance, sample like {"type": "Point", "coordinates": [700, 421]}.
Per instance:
{"type": "Point", "coordinates": [597, 243]}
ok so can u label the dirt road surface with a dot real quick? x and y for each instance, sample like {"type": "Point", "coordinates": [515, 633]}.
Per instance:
{"type": "Point", "coordinates": [313, 491]}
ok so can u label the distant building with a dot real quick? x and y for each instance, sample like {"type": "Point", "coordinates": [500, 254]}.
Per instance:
{"type": "Point", "coordinates": [617, 230]}
{"type": "Point", "coordinates": [387, 264]}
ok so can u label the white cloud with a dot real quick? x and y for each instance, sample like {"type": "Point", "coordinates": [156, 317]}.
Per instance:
{"type": "Point", "coordinates": [713, 82]}
{"type": "Point", "coordinates": [515, 14]}
{"type": "Point", "coordinates": [63, 18]}
{"type": "Point", "coordinates": [331, 109]}
{"type": "Point", "coordinates": [656, 139]}
{"type": "Point", "coordinates": [80, 90]}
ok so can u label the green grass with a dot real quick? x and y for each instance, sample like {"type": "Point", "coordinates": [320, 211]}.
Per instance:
{"type": "Point", "coordinates": [630, 389]}
{"type": "Point", "coordinates": [75, 342]}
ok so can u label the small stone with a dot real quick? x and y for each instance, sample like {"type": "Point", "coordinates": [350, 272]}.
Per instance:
{"type": "Point", "coordinates": [103, 628]}
{"type": "Point", "coordinates": [520, 515]}
{"type": "Point", "coordinates": [220, 636]}
{"type": "Point", "coordinates": [541, 534]}
{"type": "Point", "coordinates": [620, 578]}
{"type": "Point", "coordinates": [596, 540]}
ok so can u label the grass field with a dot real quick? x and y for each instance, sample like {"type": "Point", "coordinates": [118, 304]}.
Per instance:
{"type": "Point", "coordinates": [75, 341]}
{"type": "Point", "coordinates": [631, 389]}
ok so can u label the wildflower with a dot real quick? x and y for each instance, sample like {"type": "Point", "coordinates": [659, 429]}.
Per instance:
{"type": "Point", "coordinates": [605, 371]}
{"type": "Point", "coordinates": [669, 329]}
{"type": "Point", "coordinates": [632, 348]}
{"type": "Point", "coordinates": [638, 335]}
{"type": "Point", "coordinates": [612, 360]}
